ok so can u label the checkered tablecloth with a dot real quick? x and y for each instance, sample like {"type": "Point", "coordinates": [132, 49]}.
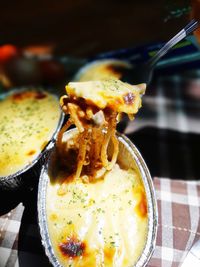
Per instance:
{"type": "Point", "coordinates": [179, 227]}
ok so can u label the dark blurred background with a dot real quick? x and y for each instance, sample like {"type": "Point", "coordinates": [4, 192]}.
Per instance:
{"type": "Point", "coordinates": [87, 27]}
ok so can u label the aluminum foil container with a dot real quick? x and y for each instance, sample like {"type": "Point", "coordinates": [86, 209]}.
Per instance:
{"type": "Point", "coordinates": [31, 172]}
{"type": "Point", "coordinates": [129, 156]}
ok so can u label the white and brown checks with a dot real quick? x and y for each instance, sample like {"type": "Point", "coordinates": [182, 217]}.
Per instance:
{"type": "Point", "coordinates": [179, 221]}
{"type": "Point", "coordinates": [179, 227]}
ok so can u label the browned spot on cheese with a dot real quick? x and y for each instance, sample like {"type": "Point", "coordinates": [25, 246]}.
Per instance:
{"type": "Point", "coordinates": [116, 102]}
{"type": "Point", "coordinates": [109, 254]}
{"type": "Point", "coordinates": [141, 206]}
{"type": "Point", "coordinates": [40, 95]}
{"type": "Point", "coordinates": [22, 95]}
{"type": "Point", "coordinates": [72, 247]}
{"type": "Point", "coordinates": [90, 258]}
{"type": "Point", "coordinates": [31, 94]}
{"type": "Point", "coordinates": [129, 98]}
{"type": "Point", "coordinates": [118, 70]}
{"type": "Point", "coordinates": [31, 152]}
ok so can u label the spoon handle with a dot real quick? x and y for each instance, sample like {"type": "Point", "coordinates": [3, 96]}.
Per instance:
{"type": "Point", "coordinates": [190, 27]}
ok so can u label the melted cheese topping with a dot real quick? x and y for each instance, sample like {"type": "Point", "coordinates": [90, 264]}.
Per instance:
{"type": "Point", "coordinates": [115, 94]}
{"type": "Point", "coordinates": [98, 224]}
{"type": "Point", "coordinates": [101, 70]}
{"type": "Point", "coordinates": [28, 120]}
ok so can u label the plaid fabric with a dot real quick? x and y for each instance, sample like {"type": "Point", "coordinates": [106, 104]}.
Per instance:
{"type": "Point", "coordinates": [179, 221]}
{"type": "Point", "coordinates": [179, 227]}
{"type": "Point", "coordinates": [166, 130]}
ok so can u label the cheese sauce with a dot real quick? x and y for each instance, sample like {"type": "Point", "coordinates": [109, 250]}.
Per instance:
{"type": "Point", "coordinates": [28, 120]}
{"type": "Point", "coordinates": [103, 223]}
{"type": "Point", "coordinates": [114, 94]}
{"type": "Point", "coordinates": [102, 69]}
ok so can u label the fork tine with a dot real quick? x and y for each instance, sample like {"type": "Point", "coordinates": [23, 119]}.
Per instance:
{"type": "Point", "coordinates": [193, 25]}
{"type": "Point", "coordinates": [190, 27]}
